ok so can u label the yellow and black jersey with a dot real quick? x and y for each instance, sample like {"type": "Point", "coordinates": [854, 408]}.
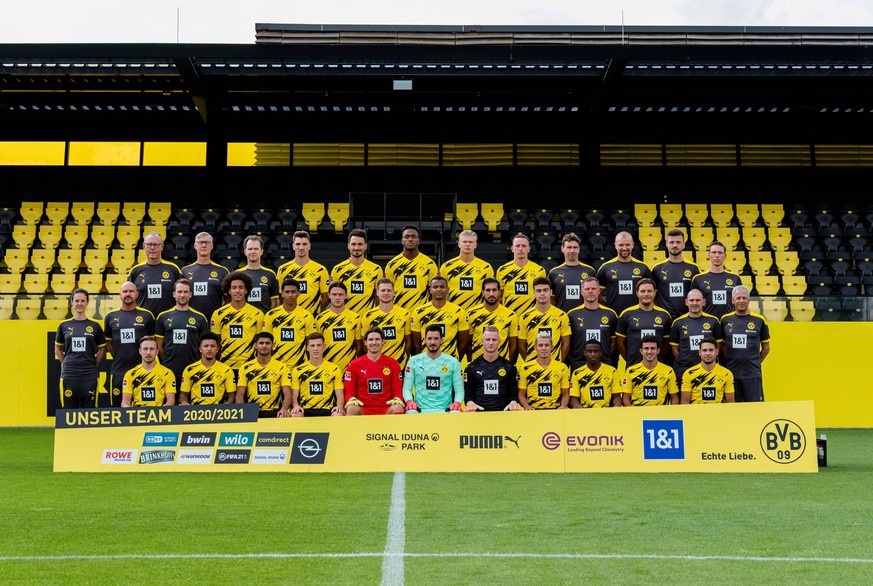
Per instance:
{"type": "Point", "coordinates": [649, 387]}
{"type": "Point", "coordinates": [208, 386]}
{"type": "Point", "coordinates": [554, 321]}
{"type": "Point", "coordinates": [395, 327]}
{"type": "Point", "coordinates": [317, 385]}
{"type": "Point", "coordinates": [543, 385]}
{"type": "Point", "coordinates": [411, 278]}
{"type": "Point", "coordinates": [465, 280]}
{"type": "Point", "coordinates": [451, 319]}
{"type": "Point", "coordinates": [594, 388]}
{"type": "Point", "coordinates": [312, 279]}
{"type": "Point", "coordinates": [340, 330]}
{"type": "Point", "coordinates": [237, 328]}
{"type": "Point", "coordinates": [360, 282]}
{"type": "Point", "coordinates": [264, 383]}
{"type": "Point", "coordinates": [148, 388]}
{"type": "Point", "coordinates": [707, 387]}
{"type": "Point", "coordinates": [289, 333]}
{"type": "Point", "coordinates": [503, 319]}
{"type": "Point", "coordinates": [517, 285]}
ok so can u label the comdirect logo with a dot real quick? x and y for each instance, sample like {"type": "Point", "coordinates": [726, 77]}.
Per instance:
{"type": "Point", "coordinates": [161, 439]}
{"type": "Point", "coordinates": [309, 448]}
{"type": "Point", "coordinates": [157, 456]}
{"type": "Point", "coordinates": [273, 440]}
{"type": "Point", "coordinates": [487, 442]}
{"type": "Point", "coordinates": [551, 440]}
{"type": "Point", "coordinates": [783, 441]}
{"type": "Point", "coordinates": [119, 456]}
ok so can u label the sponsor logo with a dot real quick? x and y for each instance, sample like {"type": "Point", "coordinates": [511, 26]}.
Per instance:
{"type": "Point", "coordinates": [551, 440]}
{"type": "Point", "coordinates": [386, 447]}
{"type": "Point", "coordinates": [232, 456]}
{"type": "Point", "coordinates": [119, 456]}
{"type": "Point", "coordinates": [157, 456]}
{"type": "Point", "coordinates": [198, 439]}
{"type": "Point", "coordinates": [194, 457]}
{"type": "Point", "coordinates": [273, 439]}
{"type": "Point", "coordinates": [783, 441]}
{"type": "Point", "coordinates": [237, 439]}
{"type": "Point", "coordinates": [487, 442]}
{"type": "Point", "coordinates": [663, 439]}
{"type": "Point", "coordinates": [309, 448]}
{"type": "Point", "coordinates": [589, 443]}
{"type": "Point", "coordinates": [161, 439]}
{"type": "Point", "coordinates": [411, 442]}
{"type": "Point", "coordinates": [269, 456]}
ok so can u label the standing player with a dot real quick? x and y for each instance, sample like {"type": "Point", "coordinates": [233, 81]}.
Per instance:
{"type": "Point", "coordinates": [432, 381]}
{"type": "Point", "coordinates": [264, 292]}
{"type": "Point", "coordinates": [358, 274]}
{"type": "Point", "coordinates": [237, 322]}
{"type": "Point", "coordinates": [208, 381]}
{"type": "Point", "coordinates": [491, 381]}
{"type": "Point", "coordinates": [707, 383]}
{"type": "Point", "coordinates": [451, 318]}
{"type": "Point", "coordinates": [372, 382]}
{"type": "Point", "coordinates": [544, 383]}
{"type": "Point", "coordinates": [746, 345]}
{"type": "Point", "coordinates": [205, 276]}
{"type": "Point", "coordinates": [178, 332]}
{"type": "Point", "coordinates": [544, 318]}
{"type": "Point", "coordinates": [154, 278]}
{"type": "Point", "coordinates": [340, 327]}
{"type": "Point", "coordinates": [618, 276]}
{"type": "Point", "coordinates": [716, 284]}
{"type": "Point", "coordinates": [493, 313]}
{"type": "Point", "coordinates": [265, 380]}
{"type": "Point", "coordinates": [639, 321]}
{"type": "Point", "coordinates": [80, 345]}
{"type": "Point", "coordinates": [591, 321]}
{"type": "Point", "coordinates": [465, 273]}
{"type": "Point", "coordinates": [148, 384]}
{"type": "Point", "coordinates": [688, 330]}
{"type": "Point", "coordinates": [516, 277]}
{"type": "Point", "coordinates": [316, 385]}
{"type": "Point", "coordinates": [567, 278]}
{"type": "Point", "coordinates": [312, 278]}
{"type": "Point", "coordinates": [290, 324]}
{"type": "Point", "coordinates": [673, 276]}
{"type": "Point", "coordinates": [393, 320]}
{"type": "Point", "coordinates": [649, 382]}
{"type": "Point", "coordinates": [594, 384]}
{"type": "Point", "coordinates": [124, 328]}
{"type": "Point", "coordinates": [410, 271]}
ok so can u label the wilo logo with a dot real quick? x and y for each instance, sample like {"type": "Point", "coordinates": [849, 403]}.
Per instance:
{"type": "Point", "coordinates": [237, 439]}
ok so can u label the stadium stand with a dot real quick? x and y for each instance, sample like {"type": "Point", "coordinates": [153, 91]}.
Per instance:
{"type": "Point", "coordinates": [313, 214]}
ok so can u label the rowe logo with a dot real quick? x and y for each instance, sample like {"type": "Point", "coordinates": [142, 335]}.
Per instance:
{"type": "Point", "coordinates": [119, 456]}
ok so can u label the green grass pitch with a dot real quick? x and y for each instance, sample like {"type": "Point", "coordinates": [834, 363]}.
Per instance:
{"type": "Point", "coordinates": [609, 528]}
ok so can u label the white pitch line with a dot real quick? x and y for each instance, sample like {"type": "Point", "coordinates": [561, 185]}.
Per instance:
{"type": "Point", "coordinates": [402, 555]}
{"type": "Point", "coordinates": [392, 564]}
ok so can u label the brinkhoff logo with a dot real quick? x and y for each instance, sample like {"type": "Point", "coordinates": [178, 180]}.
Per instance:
{"type": "Point", "coordinates": [157, 456]}
{"type": "Point", "coordinates": [487, 442]}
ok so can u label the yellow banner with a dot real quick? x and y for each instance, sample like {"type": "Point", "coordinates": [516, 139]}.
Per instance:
{"type": "Point", "coordinates": [741, 437]}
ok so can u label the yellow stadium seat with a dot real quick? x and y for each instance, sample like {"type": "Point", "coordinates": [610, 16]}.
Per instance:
{"type": "Point", "coordinates": [787, 262]}
{"type": "Point", "coordinates": [57, 212]}
{"type": "Point", "coordinates": [114, 281]}
{"type": "Point", "coordinates": [96, 259]}
{"type": "Point", "coordinates": [773, 214]}
{"type": "Point", "coordinates": [722, 214]}
{"type": "Point", "coordinates": [313, 214]}
{"type": "Point", "coordinates": [159, 213]}
{"type": "Point", "coordinates": [780, 238]}
{"type": "Point", "coordinates": [56, 307]}
{"type": "Point", "coordinates": [28, 307]}
{"type": "Point", "coordinates": [671, 215]}
{"type": "Point", "coordinates": [123, 259]}
{"type": "Point", "coordinates": [650, 238]}
{"type": "Point", "coordinates": [76, 235]}
{"type": "Point", "coordinates": [653, 257]}
{"type": "Point", "coordinates": [7, 305]}
{"type": "Point", "coordinates": [43, 260]}
{"type": "Point", "coordinates": [730, 237]}
{"type": "Point", "coordinates": [50, 236]}
{"type": "Point", "coordinates": [92, 283]}
{"type": "Point", "coordinates": [102, 236]}
{"type": "Point", "coordinates": [16, 259]}
{"type": "Point", "coordinates": [31, 211]}
{"type": "Point", "coordinates": [802, 309]}
{"type": "Point", "coordinates": [765, 285]}
{"type": "Point", "coordinates": [696, 214]}
{"type": "Point", "coordinates": [735, 261]}
{"type": "Point", "coordinates": [760, 262]}
{"type": "Point", "coordinates": [747, 214]}
{"type": "Point", "coordinates": [62, 283]}
{"type": "Point", "coordinates": [466, 214]}
{"type": "Point", "coordinates": [645, 214]}
{"type": "Point", "coordinates": [10, 284]}
{"type": "Point", "coordinates": [23, 235]}
{"type": "Point", "coordinates": [35, 283]}
{"type": "Point", "coordinates": [338, 214]}
{"type": "Point", "coordinates": [108, 212]}
{"type": "Point", "coordinates": [755, 238]}
{"type": "Point", "coordinates": [82, 212]}
{"type": "Point", "coordinates": [702, 238]}
{"type": "Point", "coordinates": [774, 309]}
{"type": "Point", "coordinates": [133, 212]}
{"type": "Point", "coordinates": [128, 236]}
{"type": "Point", "coordinates": [492, 213]}
{"type": "Point", "coordinates": [794, 284]}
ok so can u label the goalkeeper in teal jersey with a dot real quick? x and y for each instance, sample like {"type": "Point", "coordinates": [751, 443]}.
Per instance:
{"type": "Point", "coordinates": [433, 382]}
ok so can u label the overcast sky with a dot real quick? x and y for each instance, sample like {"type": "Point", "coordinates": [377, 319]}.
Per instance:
{"type": "Point", "coordinates": [233, 21]}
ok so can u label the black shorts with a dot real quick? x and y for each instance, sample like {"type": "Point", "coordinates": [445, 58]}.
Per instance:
{"type": "Point", "coordinates": [112, 397]}
{"type": "Point", "coordinates": [316, 412]}
{"type": "Point", "coordinates": [748, 390]}
{"type": "Point", "coordinates": [78, 393]}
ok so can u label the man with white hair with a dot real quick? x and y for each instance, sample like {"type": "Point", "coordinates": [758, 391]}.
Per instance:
{"type": "Point", "coordinates": [746, 345]}
{"type": "Point", "coordinates": [155, 278]}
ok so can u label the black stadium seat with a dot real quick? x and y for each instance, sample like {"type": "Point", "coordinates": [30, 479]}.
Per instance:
{"type": "Point", "coordinates": [829, 309]}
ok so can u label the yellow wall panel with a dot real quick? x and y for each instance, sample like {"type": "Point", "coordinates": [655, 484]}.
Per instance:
{"type": "Point", "coordinates": [174, 154]}
{"type": "Point", "coordinates": [104, 153]}
{"type": "Point", "coordinates": [32, 153]}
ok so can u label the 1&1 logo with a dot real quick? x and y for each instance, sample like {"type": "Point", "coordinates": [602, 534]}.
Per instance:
{"type": "Point", "coordinates": [783, 441]}
{"type": "Point", "coordinates": [663, 439]}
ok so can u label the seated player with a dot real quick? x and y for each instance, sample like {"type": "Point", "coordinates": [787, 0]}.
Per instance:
{"type": "Point", "coordinates": [544, 383]}
{"type": "Point", "coordinates": [707, 383]}
{"type": "Point", "coordinates": [149, 383]}
{"type": "Point", "coordinates": [490, 381]}
{"type": "Point", "coordinates": [372, 381]}
{"type": "Point", "coordinates": [265, 380]}
{"type": "Point", "coordinates": [208, 381]}
{"type": "Point", "coordinates": [317, 384]}
{"type": "Point", "coordinates": [594, 384]}
{"type": "Point", "coordinates": [433, 382]}
{"type": "Point", "coordinates": [649, 382]}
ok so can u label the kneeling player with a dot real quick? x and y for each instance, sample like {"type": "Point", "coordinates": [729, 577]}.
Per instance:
{"type": "Point", "coordinates": [707, 383]}
{"type": "Point", "coordinates": [433, 382]}
{"type": "Point", "coordinates": [594, 384]}
{"type": "Point", "coordinates": [207, 381]}
{"type": "Point", "coordinates": [317, 384]}
{"type": "Point", "coordinates": [265, 380]}
{"type": "Point", "coordinates": [544, 383]}
{"type": "Point", "coordinates": [372, 381]}
{"type": "Point", "coordinates": [491, 381]}
{"type": "Point", "coordinates": [149, 383]}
